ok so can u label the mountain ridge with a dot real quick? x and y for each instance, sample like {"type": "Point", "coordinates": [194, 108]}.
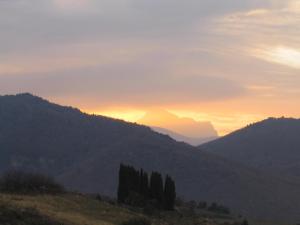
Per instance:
{"type": "Point", "coordinates": [179, 128]}
{"type": "Point", "coordinates": [182, 125]}
{"type": "Point", "coordinates": [270, 145]}
{"type": "Point", "coordinates": [85, 151]}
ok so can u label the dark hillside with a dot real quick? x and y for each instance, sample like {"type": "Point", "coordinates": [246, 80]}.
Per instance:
{"type": "Point", "coordinates": [272, 145]}
{"type": "Point", "coordinates": [85, 151]}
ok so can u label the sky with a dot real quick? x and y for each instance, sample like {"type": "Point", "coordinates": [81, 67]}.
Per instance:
{"type": "Point", "coordinates": [229, 62]}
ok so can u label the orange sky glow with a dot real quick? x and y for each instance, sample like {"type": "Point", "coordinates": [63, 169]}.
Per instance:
{"type": "Point", "coordinates": [232, 65]}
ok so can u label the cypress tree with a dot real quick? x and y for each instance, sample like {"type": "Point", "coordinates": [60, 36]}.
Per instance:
{"type": "Point", "coordinates": [129, 182]}
{"type": "Point", "coordinates": [156, 187]}
{"type": "Point", "coordinates": [134, 187]}
{"type": "Point", "coordinates": [122, 188]}
{"type": "Point", "coordinates": [169, 193]}
{"type": "Point", "coordinates": [133, 179]}
{"type": "Point", "coordinates": [144, 184]}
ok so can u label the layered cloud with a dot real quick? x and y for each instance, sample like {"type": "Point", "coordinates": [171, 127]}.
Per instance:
{"type": "Point", "coordinates": [136, 89]}
{"type": "Point", "coordinates": [36, 23]}
{"type": "Point", "coordinates": [269, 34]}
{"type": "Point", "coordinates": [281, 55]}
{"type": "Point", "coordinates": [95, 53]}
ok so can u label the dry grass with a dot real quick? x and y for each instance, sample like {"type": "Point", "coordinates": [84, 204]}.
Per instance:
{"type": "Point", "coordinates": [71, 209]}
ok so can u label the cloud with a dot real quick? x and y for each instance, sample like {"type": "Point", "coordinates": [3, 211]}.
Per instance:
{"type": "Point", "coordinates": [270, 34]}
{"type": "Point", "coordinates": [36, 23]}
{"type": "Point", "coordinates": [69, 57]}
{"type": "Point", "coordinates": [281, 55]}
{"type": "Point", "coordinates": [197, 54]}
{"type": "Point", "coordinates": [153, 43]}
{"type": "Point", "coordinates": [125, 86]}
{"type": "Point", "coordinates": [194, 8]}
{"type": "Point", "coordinates": [72, 4]}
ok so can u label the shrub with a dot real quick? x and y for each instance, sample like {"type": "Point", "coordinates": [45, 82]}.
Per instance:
{"type": "Point", "coordinates": [219, 209]}
{"type": "Point", "coordinates": [98, 197]}
{"type": "Point", "coordinates": [137, 221]}
{"type": "Point", "coordinates": [202, 205]}
{"type": "Point", "coordinates": [29, 183]}
{"type": "Point", "coordinates": [151, 207]}
{"type": "Point", "coordinates": [135, 199]}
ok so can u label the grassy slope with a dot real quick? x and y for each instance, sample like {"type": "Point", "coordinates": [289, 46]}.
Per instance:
{"type": "Point", "coordinates": [71, 209]}
{"type": "Point", "coordinates": [81, 210]}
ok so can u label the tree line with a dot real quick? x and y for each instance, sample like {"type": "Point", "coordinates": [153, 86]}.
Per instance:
{"type": "Point", "coordinates": [136, 188]}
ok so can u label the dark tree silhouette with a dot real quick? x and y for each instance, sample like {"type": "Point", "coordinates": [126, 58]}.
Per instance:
{"type": "Point", "coordinates": [169, 193]}
{"type": "Point", "coordinates": [123, 191]}
{"type": "Point", "coordinates": [129, 182]}
{"type": "Point", "coordinates": [144, 184]}
{"type": "Point", "coordinates": [156, 187]}
{"type": "Point", "coordinates": [135, 189]}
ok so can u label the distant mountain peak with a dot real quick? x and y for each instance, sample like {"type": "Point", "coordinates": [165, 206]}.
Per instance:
{"type": "Point", "coordinates": [187, 127]}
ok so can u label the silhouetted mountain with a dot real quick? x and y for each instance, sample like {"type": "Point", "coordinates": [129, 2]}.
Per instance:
{"type": "Point", "coordinates": [271, 145]}
{"type": "Point", "coordinates": [84, 152]}
{"type": "Point", "coordinates": [180, 129]}
{"type": "Point", "coordinates": [182, 138]}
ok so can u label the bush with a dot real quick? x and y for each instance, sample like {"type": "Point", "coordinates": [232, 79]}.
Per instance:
{"type": "Point", "coordinates": [202, 205]}
{"type": "Point", "coordinates": [151, 207]}
{"type": "Point", "coordinates": [219, 209]}
{"type": "Point", "coordinates": [98, 197]}
{"type": "Point", "coordinates": [29, 183]}
{"type": "Point", "coordinates": [135, 199]}
{"type": "Point", "coordinates": [137, 221]}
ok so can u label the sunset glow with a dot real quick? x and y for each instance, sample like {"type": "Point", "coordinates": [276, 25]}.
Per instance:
{"type": "Point", "coordinates": [129, 116]}
{"type": "Point", "coordinates": [231, 65]}
{"type": "Point", "coordinates": [224, 123]}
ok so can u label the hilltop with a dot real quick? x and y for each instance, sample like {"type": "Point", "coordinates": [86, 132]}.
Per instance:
{"type": "Point", "coordinates": [272, 145]}
{"type": "Point", "coordinates": [84, 152]}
